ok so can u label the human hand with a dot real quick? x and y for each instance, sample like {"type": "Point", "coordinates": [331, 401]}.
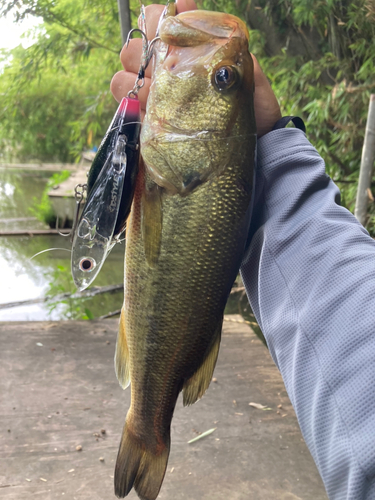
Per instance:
{"type": "Point", "coordinates": [267, 110]}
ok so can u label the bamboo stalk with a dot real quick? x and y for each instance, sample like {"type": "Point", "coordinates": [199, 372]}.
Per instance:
{"type": "Point", "coordinates": [125, 21]}
{"type": "Point", "coordinates": [367, 162]}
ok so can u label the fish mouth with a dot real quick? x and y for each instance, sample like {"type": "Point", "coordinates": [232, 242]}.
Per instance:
{"type": "Point", "coordinates": [196, 36]}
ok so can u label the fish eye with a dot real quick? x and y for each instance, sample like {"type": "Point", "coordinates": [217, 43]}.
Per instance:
{"type": "Point", "coordinates": [225, 77]}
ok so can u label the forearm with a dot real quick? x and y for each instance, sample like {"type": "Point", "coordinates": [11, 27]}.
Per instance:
{"type": "Point", "coordinates": [310, 278]}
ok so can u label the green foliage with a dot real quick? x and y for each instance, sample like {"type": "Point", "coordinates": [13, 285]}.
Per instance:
{"type": "Point", "coordinates": [70, 307]}
{"type": "Point", "coordinates": [55, 98]}
{"type": "Point", "coordinates": [42, 208]}
{"type": "Point", "coordinates": [35, 120]}
{"type": "Point", "coordinates": [330, 86]}
{"type": "Point", "coordinates": [319, 57]}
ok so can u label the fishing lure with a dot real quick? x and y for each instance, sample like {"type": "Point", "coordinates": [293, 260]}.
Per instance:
{"type": "Point", "coordinates": [108, 202]}
{"type": "Point", "coordinates": [110, 184]}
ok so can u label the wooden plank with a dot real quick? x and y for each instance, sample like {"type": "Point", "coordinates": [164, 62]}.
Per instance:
{"type": "Point", "coordinates": [62, 196]}
{"type": "Point", "coordinates": [61, 394]}
{"type": "Point", "coordinates": [53, 167]}
{"type": "Point", "coordinates": [66, 188]}
{"type": "Point", "coordinates": [18, 219]}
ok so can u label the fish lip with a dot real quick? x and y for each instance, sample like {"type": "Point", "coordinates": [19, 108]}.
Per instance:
{"type": "Point", "coordinates": [195, 27]}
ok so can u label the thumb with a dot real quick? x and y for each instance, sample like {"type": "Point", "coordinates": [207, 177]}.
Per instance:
{"type": "Point", "coordinates": [267, 109]}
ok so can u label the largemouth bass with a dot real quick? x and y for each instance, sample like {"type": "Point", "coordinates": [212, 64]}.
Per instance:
{"type": "Point", "coordinates": [186, 233]}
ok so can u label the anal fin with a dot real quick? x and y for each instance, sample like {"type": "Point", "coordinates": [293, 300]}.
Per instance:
{"type": "Point", "coordinates": [196, 386]}
{"type": "Point", "coordinates": [122, 355]}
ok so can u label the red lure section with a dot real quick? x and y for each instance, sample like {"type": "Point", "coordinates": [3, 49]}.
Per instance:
{"type": "Point", "coordinates": [130, 107]}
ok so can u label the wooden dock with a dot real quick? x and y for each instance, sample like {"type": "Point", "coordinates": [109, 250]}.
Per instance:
{"type": "Point", "coordinates": [62, 197]}
{"type": "Point", "coordinates": [62, 412]}
{"type": "Point", "coordinates": [46, 167]}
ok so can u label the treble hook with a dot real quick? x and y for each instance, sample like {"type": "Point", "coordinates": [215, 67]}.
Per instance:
{"type": "Point", "coordinates": [147, 51]}
{"type": "Point", "coordinates": [79, 191]}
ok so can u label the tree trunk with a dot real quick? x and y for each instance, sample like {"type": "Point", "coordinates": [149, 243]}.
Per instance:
{"type": "Point", "coordinates": [125, 19]}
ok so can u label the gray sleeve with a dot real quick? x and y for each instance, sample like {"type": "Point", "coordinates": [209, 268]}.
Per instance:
{"type": "Point", "coordinates": [310, 279]}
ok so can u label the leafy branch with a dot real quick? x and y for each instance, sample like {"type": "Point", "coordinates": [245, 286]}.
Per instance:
{"type": "Point", "coordinates": [47, 11]}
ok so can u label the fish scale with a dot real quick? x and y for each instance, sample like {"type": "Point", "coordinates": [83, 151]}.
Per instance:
{"type": "Point", "coordinates": [185, 239]}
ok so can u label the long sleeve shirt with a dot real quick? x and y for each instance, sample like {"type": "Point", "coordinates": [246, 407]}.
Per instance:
{"type": "Point", "coordinates": [310, 279]}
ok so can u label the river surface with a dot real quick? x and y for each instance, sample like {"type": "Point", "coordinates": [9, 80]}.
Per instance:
{"type": "Point", "coordinates": [48, 273]}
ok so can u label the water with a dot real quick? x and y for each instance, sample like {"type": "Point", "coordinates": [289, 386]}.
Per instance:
{"type": "Point", "coordinates": [49, 273]}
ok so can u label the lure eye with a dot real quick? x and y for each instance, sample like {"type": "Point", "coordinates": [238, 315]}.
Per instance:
{"type": "Point", "coordinates": [225, 77]}
{"type": "Point", "coordinates": [87, 264]}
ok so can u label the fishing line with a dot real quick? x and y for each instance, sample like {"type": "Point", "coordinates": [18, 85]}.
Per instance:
{"type": "Point", "coordinates": [124, 125]}
{"type": "Point", "coordinates": [48, 250]}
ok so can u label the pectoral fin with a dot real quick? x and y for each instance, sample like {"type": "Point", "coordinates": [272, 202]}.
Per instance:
{"type": "Point", "coordinates": [122, 355]}
{"type": "Point", "coordinates": [152, 221]}
{"type": "Point", "coordinates": [196, 386]}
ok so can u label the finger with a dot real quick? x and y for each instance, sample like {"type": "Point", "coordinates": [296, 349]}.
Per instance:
{"type": "Point", "coordinates": [267, 109]}
{"type": "Point", "coordinates": [260, 78]}
{"type": "Point", "coordinates": [131, 57]}
{"type": "Point", "coordinates": [184, 5]}
{"type": "Point", "coordinates": [152, 14]}
{"type": "Point", "coordinates": [123, 82]}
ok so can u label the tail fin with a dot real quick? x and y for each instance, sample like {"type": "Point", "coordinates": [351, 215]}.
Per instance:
{"type": "Point", "coordinates": [139, 467]}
